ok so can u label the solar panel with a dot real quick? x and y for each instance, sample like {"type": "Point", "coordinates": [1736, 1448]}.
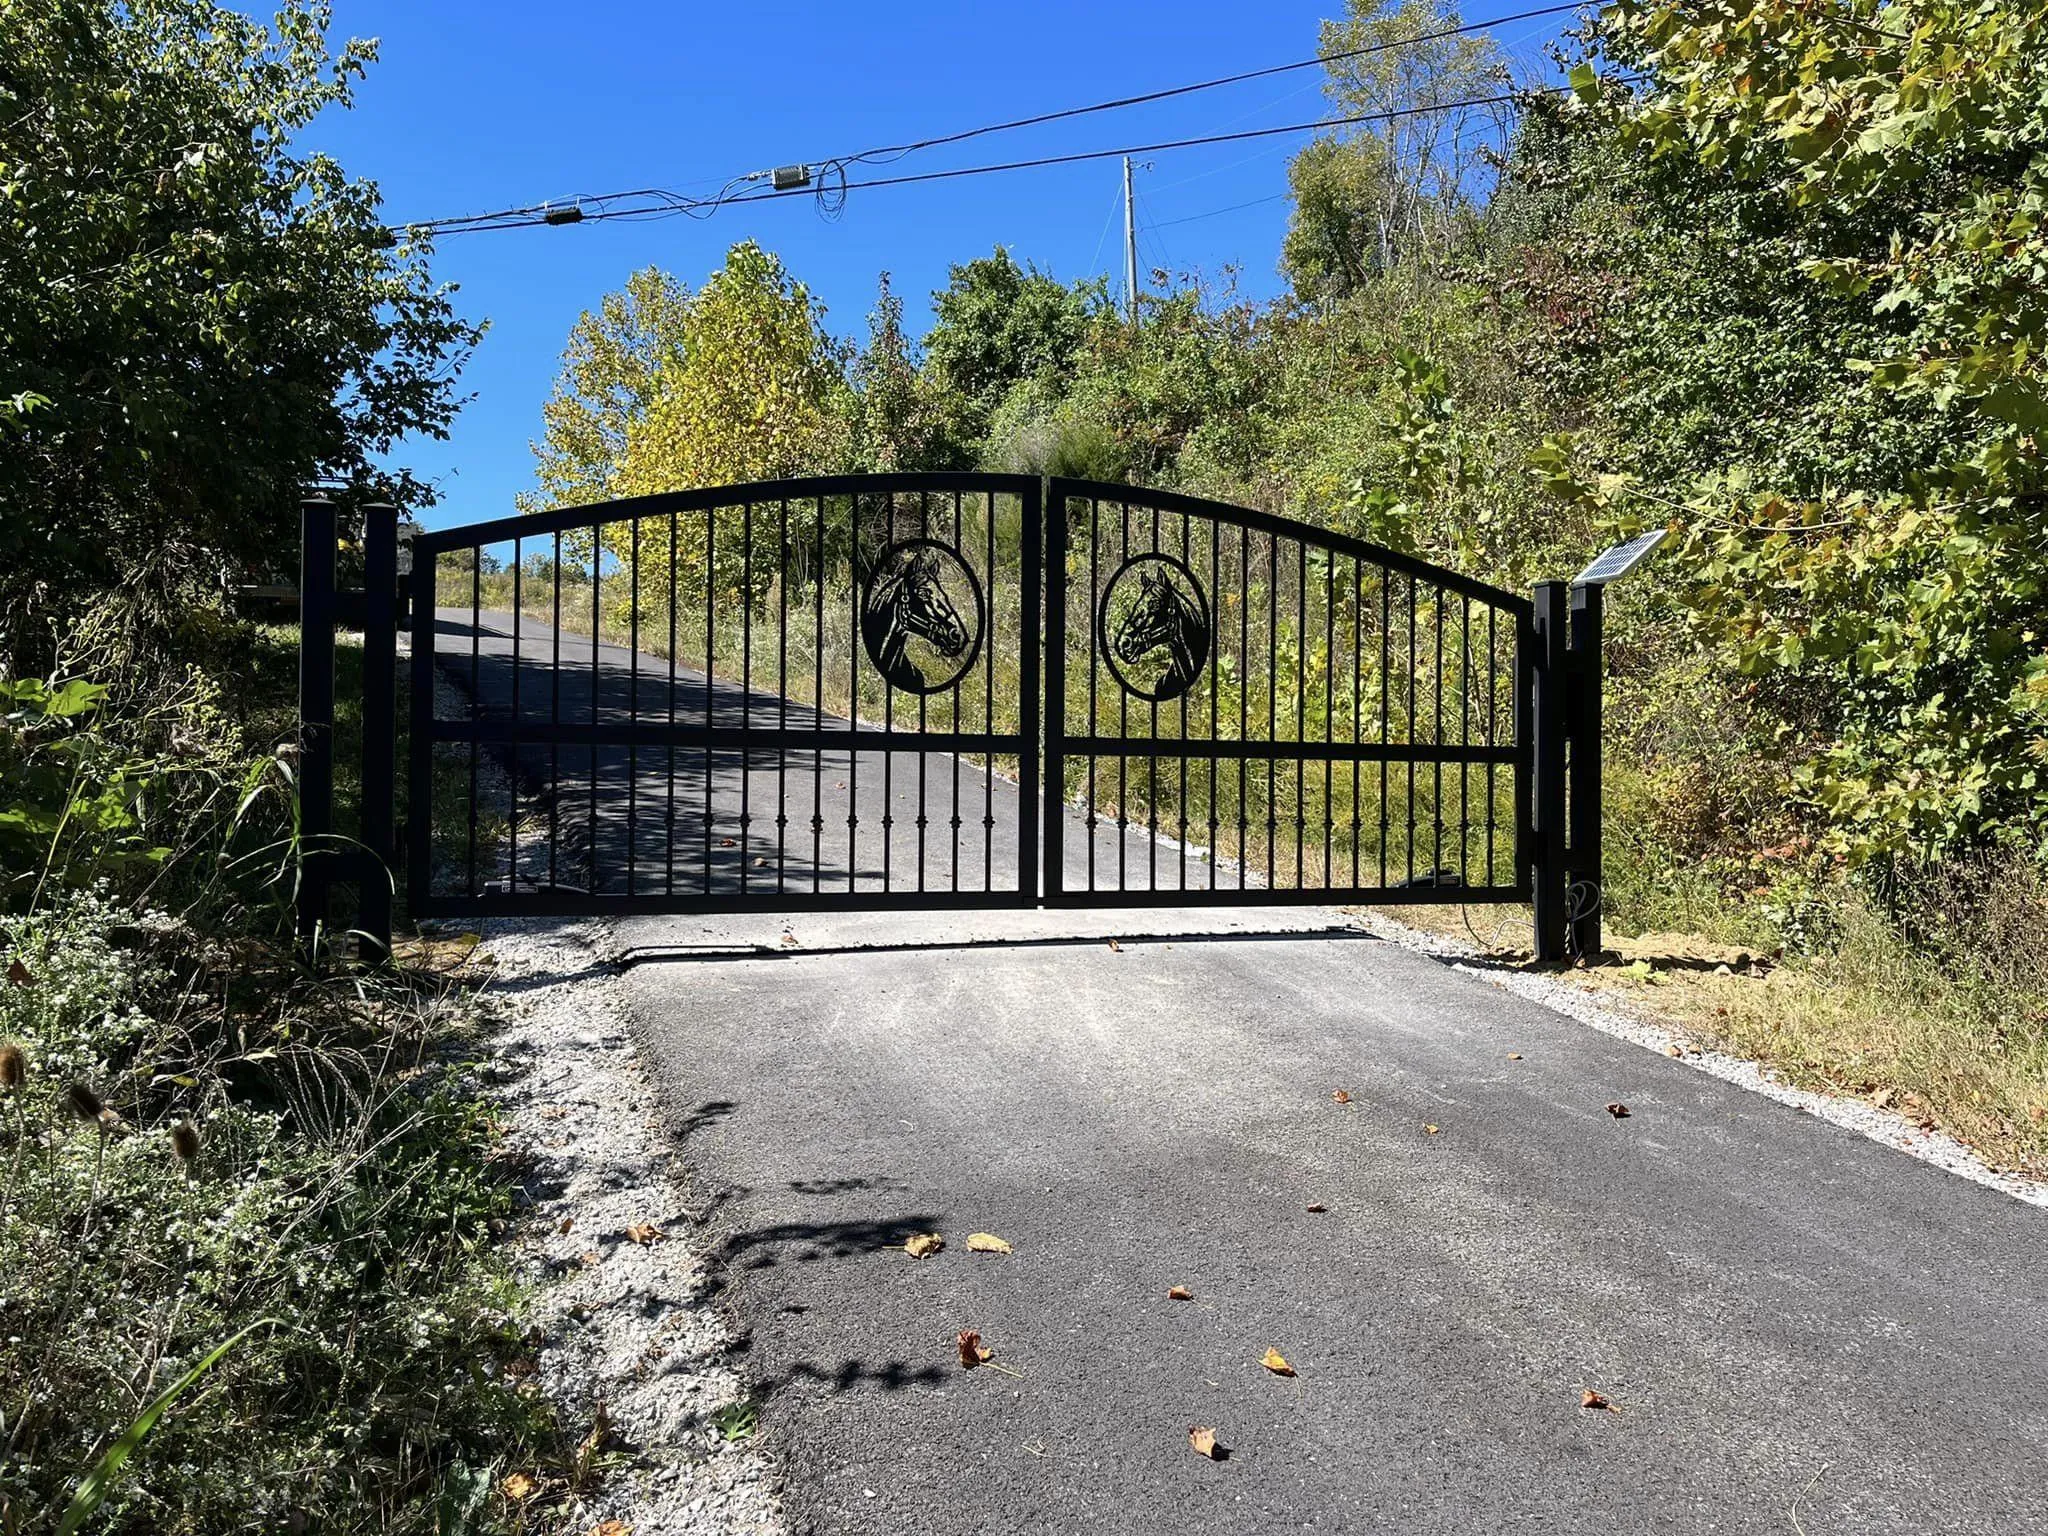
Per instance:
{"type": "Point", "coordinates": [1620, 559]}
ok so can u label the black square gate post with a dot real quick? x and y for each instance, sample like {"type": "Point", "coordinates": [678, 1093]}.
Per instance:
{"type": "Point", "coordinates": [380, 767]}
{"type": "Point", "coordinates": [1584, 888]}
{"type": "Point", "coordinates": [1552, 711]}
{"type": "Point", "coordinates": [316, 713]}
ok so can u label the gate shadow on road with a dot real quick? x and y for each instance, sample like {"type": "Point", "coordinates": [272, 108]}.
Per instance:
{"type": "Point", "coordinates": [713, 953]}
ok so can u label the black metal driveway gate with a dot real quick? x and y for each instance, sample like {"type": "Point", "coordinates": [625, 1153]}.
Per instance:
{"type": "Point", "coordinates": [955, 690]}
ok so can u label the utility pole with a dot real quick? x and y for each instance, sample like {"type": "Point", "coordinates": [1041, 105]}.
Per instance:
{"type": "Point", "coordinates": [1130, 247]}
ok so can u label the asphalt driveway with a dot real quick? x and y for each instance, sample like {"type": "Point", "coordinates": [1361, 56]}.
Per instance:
{"type": "Point", "coordinates": [1802, 1331]}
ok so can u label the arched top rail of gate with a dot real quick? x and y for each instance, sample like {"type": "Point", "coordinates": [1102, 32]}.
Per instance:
{"type": "Point", "coordinates": [531, 525]}
{"type": "Point", "coordinates": [1288, 528]}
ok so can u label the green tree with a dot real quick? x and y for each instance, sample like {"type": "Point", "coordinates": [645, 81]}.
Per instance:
{"type": "Point", "coordinates": [196, 317]}
{"type": "Point", "coordinates": [1372, 194]}
{"type": "Point", "coordinates": [898, 420]}
{"type": "Point", "coordinates": [997, 325]}
{"type": "Point", "coordinates": [612, 367]}
{"type": "Point", "coordinates": [1869, 547]}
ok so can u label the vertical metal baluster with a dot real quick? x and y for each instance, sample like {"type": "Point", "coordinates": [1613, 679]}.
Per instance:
{"type": "Point", "coordinates": [1357, 700]}
{"type": "Point", "coordinates": [555, 726]}
{"type": "Point", "coordinates": [476, 701]}
{"type": "Point", "coordinates": [668, 860]}
{"type": "Point", "coordinates": [1300, 710]}
{"type": "Point", "coordinates": [1272, 702]}
{"type": "Point", "coordinates": [1492, 730]}
{"type": "Point", "coordinates": [1094, 647]}
{"type": "Point", "coordinates": [1123, 726]}
{"type": "Point", "coordinates": [746, 844]}
{"type": "Point", "coordinates": [1386, 693]}
{"type": "Point", "coordinates": [1215, 679]}
{"type": "Point", "coordinates": [1329, 711]}
{"type": "Point", "coordinates": [782, 697]}
{"type": "Point", "coordinates": [1465, 738]}
{"type": "Point", "coordinates": [1181, 811]}
{"type": "Point", "coordinates": [818, 707]}
{"type": "Point", "coordinates": [853, 689]}
{"type": "Point", "coordinates": [1436, 765]}
{"type": "Point", "coordinates": [633, 710]}
{"type": "Point", "coordinates": [924, 531]}
{"type": "Point", "coordinates": [1412, 668]}
{"type": "Point", "coordinates": [1152, 769]}
{"type": "Point", "coordinates": [888, 740]}
{"type": "Point", "coordinates": [988, 802]}
{"type": "Point", "coordinates": [959, 544]}
{"type": "Point", "coordinates": [1244, 692]}
{"type": "Point", "coordinates": [596, 631]}
{"type": "Point", "coordinates": [518, 623]}
{"type": "Point", "coordinates": [710, 671]}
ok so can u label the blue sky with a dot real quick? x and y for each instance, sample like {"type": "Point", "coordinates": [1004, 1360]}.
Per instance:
{"type": "Point", "coordinates": [480, 106]}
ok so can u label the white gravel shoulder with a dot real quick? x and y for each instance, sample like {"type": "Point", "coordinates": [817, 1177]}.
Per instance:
{"type": "Point", "coordinates": [626, 1317]}
{"type": "Point", "coordinates": [1612, 1016]}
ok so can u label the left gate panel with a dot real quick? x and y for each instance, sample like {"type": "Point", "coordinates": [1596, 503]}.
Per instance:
{"type": "Point", "coordinates": [788, 696]}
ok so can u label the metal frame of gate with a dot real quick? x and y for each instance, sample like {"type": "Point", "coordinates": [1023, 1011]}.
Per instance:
{"type": "Point", "coordinates": [1460, 746]}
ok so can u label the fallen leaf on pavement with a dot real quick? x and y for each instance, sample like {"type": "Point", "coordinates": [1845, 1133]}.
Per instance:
{"type": "Point", "coordinates": [1884, 1097]}
{"type": "Point", "coordinates": [972, 1351]}
{"type": "Point", "coordinates": [986, 1242]}
{"type": "Point", "coordinates": [1514, 1055]}
{"type": "Point", "coordinates": [1591, 1399]}
{"type": "Point", "coordinates": [567, 1223]}
{"type": "Point", "coordinates": [589, 1257]}
{"type": "Point", "coordinates": [728, 842]}
{"type": "Point", "coordinates": [644, 1232]}
{"type": "Point", "coordinates": [1276, 1362]}
{"type": "Point", "coordinates": [611, 1528]}
{"type": "Point", "coordinates": [1341, 1096]}
{"type": "Point", "coordinates": [924, 1244]}
{"type": "Point", "coordinates": [518, 1486]}
{"type": "Point", "coordinates": [1619, 1111]}
{"type": "Point", "coordinates": [789, 941]}
{"type": "Point", "coordinates": [1433, 1130]}
{"type": "Point", "coordinates": [1674, 1050]}
{"type": "Point", "coordinates": [1179, 1293]}
{"type": "Point", "coordinates": [1317, 1209]}
{"type": "Point", "coordinates": [1202, 1440]}
{"type": "Point", "coordinates": [1115, 948]}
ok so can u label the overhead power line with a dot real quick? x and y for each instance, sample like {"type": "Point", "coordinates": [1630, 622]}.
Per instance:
{"type": "Point", "coordinates": [827, 180]}
{"type": "Point", "coordinates": [672, 207]}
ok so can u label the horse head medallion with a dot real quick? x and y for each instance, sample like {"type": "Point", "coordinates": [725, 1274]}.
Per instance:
{"type": "Point", "coordinates": [912, 625]}
{"type": "Point", "coordinates": [1154, 627]}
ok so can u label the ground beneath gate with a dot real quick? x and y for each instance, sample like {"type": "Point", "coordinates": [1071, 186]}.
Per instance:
{"type": "Point", "coordinates": [1801, 1330]}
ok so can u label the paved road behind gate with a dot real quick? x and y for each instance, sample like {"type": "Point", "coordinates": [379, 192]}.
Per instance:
{"type": "Point", "coordinates": [1802, 1331]}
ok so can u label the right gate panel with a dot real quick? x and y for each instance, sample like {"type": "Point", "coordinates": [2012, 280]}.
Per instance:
{"type": "Point", "coordinates": [1244, 708]}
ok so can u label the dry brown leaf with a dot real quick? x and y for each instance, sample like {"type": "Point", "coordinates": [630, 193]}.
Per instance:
{"type": "Point", "coordinates": [987, 1242]}
{"type": "Point", "coordinates": [1341, 1096]}
{"type": "Point", "coordinates": [1514, 1055]}
{"type": "Point", "coordinates": [1433, 1130]}
{"type": "Point", "coordinates": [567, 1223]}
{"type": "Point", "coordinates": [518, 1486]}
{"type": "Point", "coordinates": [1115, 948]}
{"type": "Point", "coordinates": [1202, 1440]}
{"type": "Point", "coordinates": [789, 941]}
{"type": "Point", "coordinates": [1276, 1362]}
{"type": "Point", "coordinates": [611, 1528]}
{"type": "Point", "coordinates": [18, 973]}
{"type": "Point", "coordinates": [972, 1351]}
{"type": "Point", "coordinates": [1884, 1097]}
{"type": "Point", "coordinates": [645, 1232]}
{"type": "Point", "coordinates": [1317, 1209]}
{"type": "Point", "coordinates": [1591, 1399]}
{"type": "Point", "coordinates": [1179, 1293]}
{"type": "Point", "coordinates": [2036, 1113]}
{"type": "Point", "coordinates": [1674, 1050]}
{"type": "Point", "coordinates": [589, 1257]}
{"type": "Point", "coordinates": [923, 1245]}
{"type": "Point", "coordinates": [1619, 1111]}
